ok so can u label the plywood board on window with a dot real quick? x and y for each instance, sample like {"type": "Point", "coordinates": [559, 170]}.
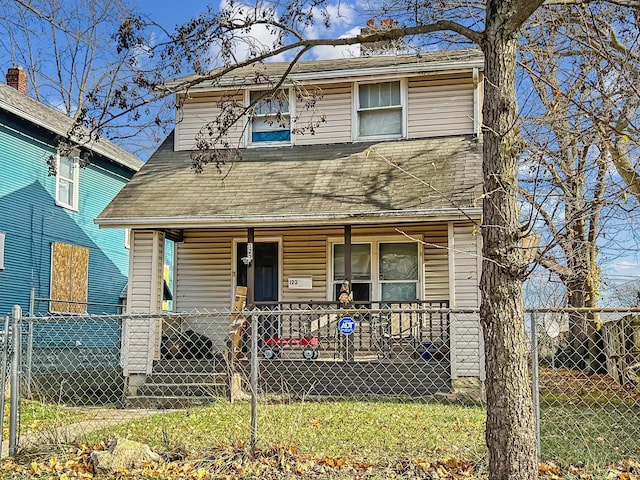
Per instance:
{"type": "Point", "coordinates": [79, 279]}
{"type": "Point", "coordinates": [60, 273]}
{"type": "Point", "coordinates": [69, 278]}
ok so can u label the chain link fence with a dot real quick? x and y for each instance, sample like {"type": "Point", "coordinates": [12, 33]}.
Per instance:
{"type": "Point", "coordinates": [281, 373]}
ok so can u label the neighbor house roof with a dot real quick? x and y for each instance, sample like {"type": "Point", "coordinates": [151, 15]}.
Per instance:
{"type": "Point", "coordinates": [397, 181]}
{"type": "Point", "coordinates": [27, 108]}
{"type": "Point", "coordinates": [441, 61]}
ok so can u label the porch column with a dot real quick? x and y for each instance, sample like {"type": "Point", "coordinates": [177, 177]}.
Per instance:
{"type": "Point", "coordinates": [251, 278]}
{"type": "Point", "coordinates": [348, 353]}
{"type": "Point", "coordinates": [347, 254]}
{"type": "Point", "coordinates": [141, 337]}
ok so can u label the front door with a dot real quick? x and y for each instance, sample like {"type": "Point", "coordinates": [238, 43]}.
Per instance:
{"type": "Point", "coordinates": [265, 258]}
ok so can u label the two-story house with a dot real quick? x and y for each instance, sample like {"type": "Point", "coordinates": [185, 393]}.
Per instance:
{"type": "Point", "coordinates": [50, 247]}
{"type": "Point", "coordinates": [390, 177]}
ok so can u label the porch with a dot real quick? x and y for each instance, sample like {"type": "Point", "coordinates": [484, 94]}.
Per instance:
{"type": "Point", "coordinates": [403, 278]}
{"type": "Point", "coordinates": [298, 349]}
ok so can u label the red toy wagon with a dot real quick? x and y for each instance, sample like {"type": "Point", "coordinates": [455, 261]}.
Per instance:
{"type": "Point", "coordinates": [273, 346]}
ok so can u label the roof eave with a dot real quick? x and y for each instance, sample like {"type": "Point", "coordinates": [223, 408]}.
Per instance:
{"type": "Point", "coordinates": [273, 221]}
{"type": "Point", "coordinates": [353, 74]}
{"type": "Point", "coordinates": [131, 165]}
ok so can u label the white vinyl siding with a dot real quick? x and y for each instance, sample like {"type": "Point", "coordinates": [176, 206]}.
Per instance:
{"type": "Point", "coordinates": [440, 106]}
{"type": "Point", "coordinates": [305, 253]}
{"type": "Point", "coordinates": [204, 281]}
{"type": "Point", "coordinates": [335, 105]}
{"type": "Point", "coordinates": [140, 339]}
{"type": "Point", "coordinates": [436, 263]}
{"type": "Point", "coordinates": [466, 333]}
{"type": "Point", "coordinates": [199, 109]}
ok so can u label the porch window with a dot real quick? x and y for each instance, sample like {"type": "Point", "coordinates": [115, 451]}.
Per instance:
{"type": "Point", "coordinates": [271, 119]}
{"type": "Point", "coordinates": [398, 271]}
{"type": "Point", "coordinates": [69, 278]}
{"type": "Point", "coordinates": [360, 271]}
{"type": "Point", "coordinates": [67, 179]}
{"type": "Point", "coordinates": [391, 274]}
{"type": "Point", "coordinates": [380, 110]}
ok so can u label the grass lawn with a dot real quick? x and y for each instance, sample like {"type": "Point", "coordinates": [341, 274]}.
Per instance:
{"type": "Point", "coordinates": [36, 416]}
{"type": "Point", "coordinates": [375, 431]}
{"type": "Point", "coordinates": [589, 427]}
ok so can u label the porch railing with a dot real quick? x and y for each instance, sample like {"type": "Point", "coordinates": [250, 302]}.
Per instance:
{"type": "Point", "coordinates": [383, 329]}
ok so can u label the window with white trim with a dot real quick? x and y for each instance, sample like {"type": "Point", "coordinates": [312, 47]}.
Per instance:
{"type": "Point", "coordinates": [380, 110]}
{"type": "Point", "coordinates": [67, 182]}
{"type": "Point", "coordinates": [380, 270]}
{"type": "Point", "coordinates": [271, 118]}
{"type": "Point", "coordinates": [2, 237]}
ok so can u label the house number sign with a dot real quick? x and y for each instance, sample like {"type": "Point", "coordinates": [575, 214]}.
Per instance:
{"type": "Point", "coordinates": [300, 283]}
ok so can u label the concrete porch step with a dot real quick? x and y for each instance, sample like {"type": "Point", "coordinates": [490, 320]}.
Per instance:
{"type": "Point", "coordinates": [169, 402]}
{"type": "Point", "coordinates": [182, 390]}
{"type": "Point", "coordinates": [208, 378]}
{"type": "Point", "coordinates": [214, 365]}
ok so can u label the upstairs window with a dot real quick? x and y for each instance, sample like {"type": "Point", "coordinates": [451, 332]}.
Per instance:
{"type": "Point", "coordinates": [380, 110]}
{"type": "Point", "coordinates": [67, 179]}
{"type": "Point", "coordinates": [271, 119]}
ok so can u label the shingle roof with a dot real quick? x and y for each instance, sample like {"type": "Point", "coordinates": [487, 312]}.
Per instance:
{"type": "Point", "coordinates": [57, 122]}
{"type": "Point", "coordinates": [284, 185]}
{"type": "Point", "coordinates": [440, 61]}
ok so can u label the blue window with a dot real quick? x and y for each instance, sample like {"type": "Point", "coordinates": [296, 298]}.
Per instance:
{"type": "Point", "coordinates": [271, 121]}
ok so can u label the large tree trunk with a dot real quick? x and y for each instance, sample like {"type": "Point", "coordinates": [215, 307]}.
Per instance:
{"type": "Point", "coordinates": [510, 422]}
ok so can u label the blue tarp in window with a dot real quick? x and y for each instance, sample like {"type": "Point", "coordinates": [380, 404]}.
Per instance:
{"type": "Point", "coordinates": [274, 136]}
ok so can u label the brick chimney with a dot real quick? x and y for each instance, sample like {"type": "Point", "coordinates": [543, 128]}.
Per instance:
{"type": "Point", "coordinates": [382, 47]}
{"type": "Point", "coordinates": [17, 78]}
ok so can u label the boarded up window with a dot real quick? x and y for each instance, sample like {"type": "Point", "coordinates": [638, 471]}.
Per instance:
{"type": "Point", "coordinates": [69, 278]}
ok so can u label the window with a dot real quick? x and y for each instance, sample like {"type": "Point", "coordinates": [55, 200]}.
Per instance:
{"type": "Point", "coordinates": [67, 183]}
{"type": "Point", "coordinates": [395, 268]}
{"type": "Point", "coordinates": [380, 110]}
{"type": "Point", "coordinates": [360, 271]}
{"type": "Point", "coordinates": [2, 236]}
{"type": "Point", "coordinates": [69, 278]}
{"type": "Point", "coordinates": [398, 271]}
{"type": "Point", "coordinates": [271, 119]}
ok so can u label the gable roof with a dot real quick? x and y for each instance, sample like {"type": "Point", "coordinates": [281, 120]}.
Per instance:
{"type": "Point", "coordinates": [398, 181]}
{"type": "Point", "coordinates": [58, 123]}
{"type": "Point", "coordinates": [440, 61]}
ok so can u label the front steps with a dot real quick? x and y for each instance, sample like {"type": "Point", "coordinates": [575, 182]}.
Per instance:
{"type": "Point", "coordinates": [181, 384]}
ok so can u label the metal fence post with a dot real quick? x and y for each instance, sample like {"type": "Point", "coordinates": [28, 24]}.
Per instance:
{"type": "Point", "coordinates": [536, 379]}
{"type": "Point", "coordinates": [5, 359]}
{"type": "Point", "coordinates": [254, 381]}
{"type": "Point", "coordinates": [15, 382]}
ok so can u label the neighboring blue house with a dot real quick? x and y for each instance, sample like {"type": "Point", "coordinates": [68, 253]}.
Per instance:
{"type": "Point", "coordinates": [48, 239]}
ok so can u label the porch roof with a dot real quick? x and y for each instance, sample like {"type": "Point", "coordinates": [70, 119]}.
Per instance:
{"type": "Point", "coordinates": [357, 183]}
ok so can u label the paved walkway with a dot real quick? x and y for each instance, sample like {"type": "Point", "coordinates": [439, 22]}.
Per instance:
{"type": "Point", "coordinates": [95, 419]}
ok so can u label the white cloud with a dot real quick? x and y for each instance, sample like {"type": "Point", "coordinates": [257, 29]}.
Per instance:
{"type": "Point", "coordinates": [261, 37]}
